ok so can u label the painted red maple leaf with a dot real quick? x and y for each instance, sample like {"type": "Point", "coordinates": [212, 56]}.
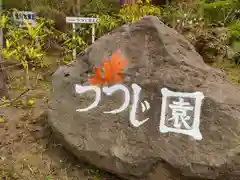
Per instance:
{"type": "Point", "coordinates": [113, 70]}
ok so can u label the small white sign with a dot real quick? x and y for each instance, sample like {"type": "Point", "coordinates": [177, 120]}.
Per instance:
{"type": "Point", "coordinates": [21, 16]}
{"type": "Point", "coordinates": [82, 20]}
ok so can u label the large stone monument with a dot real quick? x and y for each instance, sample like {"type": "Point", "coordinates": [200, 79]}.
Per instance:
{"type": "Point", "coordinates": [158, 57]}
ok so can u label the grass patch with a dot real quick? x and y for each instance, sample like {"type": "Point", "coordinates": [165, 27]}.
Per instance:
{"type": "Point", "coordinates": [232, 70]}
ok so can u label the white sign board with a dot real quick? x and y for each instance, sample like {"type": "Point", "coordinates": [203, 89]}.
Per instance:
{"type": "Point", "coordinates": [82, 20]}
{"type": "Point", "coordinates": [21, 16]}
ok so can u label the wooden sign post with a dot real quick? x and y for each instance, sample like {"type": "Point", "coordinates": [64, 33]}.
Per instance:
{"type": "Point", "coordinates": [81, 20]}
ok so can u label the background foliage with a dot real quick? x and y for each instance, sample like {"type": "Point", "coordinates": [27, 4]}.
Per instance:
{"type": "Point", "coordinates": [212, 27]}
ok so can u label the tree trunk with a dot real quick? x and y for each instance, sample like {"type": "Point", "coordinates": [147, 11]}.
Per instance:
{"type": "Point", "coordinates": [3, 84]}
{"type": "Point", "coordinates": [3, 75]}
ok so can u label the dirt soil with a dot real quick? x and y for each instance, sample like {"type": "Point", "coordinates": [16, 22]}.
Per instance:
{"type": "Point", "coordinates": [28, 150]}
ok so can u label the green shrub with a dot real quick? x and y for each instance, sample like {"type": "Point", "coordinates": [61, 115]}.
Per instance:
{"type": "Point", "coordinates": [212, 44]}
{"type": "Point", "coordinates": [183, 16]}
{"type": "Point", "coordinates": [221, 11]}
{"type": "Point", "coordinates": [235, 31]}
{"type": "Point", "coordinates": [53, 14]}
{"type": "Point", "coordinates": [236, 58]}
{"type": "Point", "coordinates": [127, 14]}
{"type": "Point", "coordinates": [21, 4]}
{"type": "Point", "coordinates": [131, 13]}
{"type": "Point", "coordinates": [100, 7]}
{"type": "Point", "coordinates": [235, 41]}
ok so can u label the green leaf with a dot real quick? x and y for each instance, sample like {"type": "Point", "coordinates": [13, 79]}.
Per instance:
{"type": "Point", "coordinates": [2, 119]}
{"type": "Point", "coordinates": [236, 46]}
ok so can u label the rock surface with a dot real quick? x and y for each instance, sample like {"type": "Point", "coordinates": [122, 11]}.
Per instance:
{"type": "Point", "coordinates": [3, 84]}
{"type": "Point", "coordinates": [158, 57]}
